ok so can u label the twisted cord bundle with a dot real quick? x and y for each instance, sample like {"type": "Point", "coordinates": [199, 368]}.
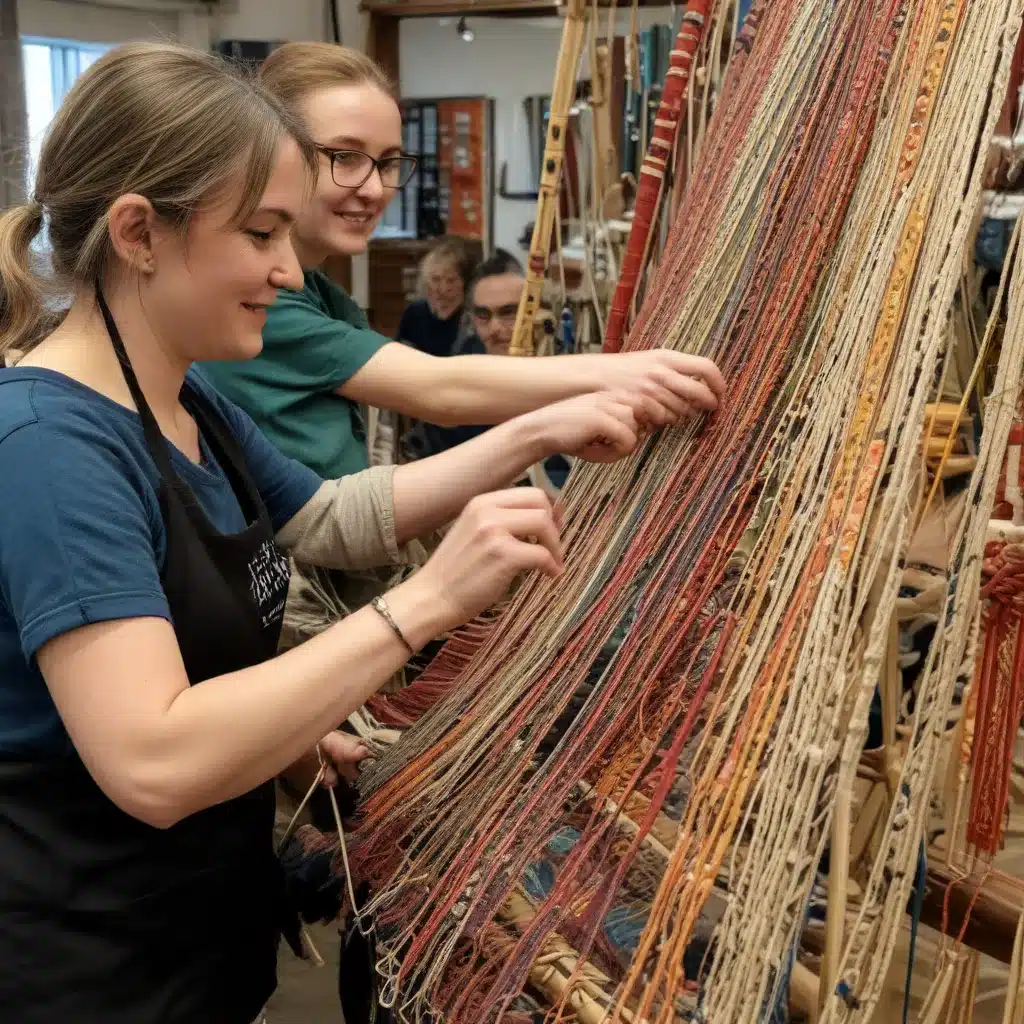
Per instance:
{"type": "Point", "coordinates": [899, 338]}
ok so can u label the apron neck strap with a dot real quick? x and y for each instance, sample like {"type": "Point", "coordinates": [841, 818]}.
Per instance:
{"type": "Point", "coordinates": [224, 446]}
{"type": "Point", "coordinates": [154, 435]}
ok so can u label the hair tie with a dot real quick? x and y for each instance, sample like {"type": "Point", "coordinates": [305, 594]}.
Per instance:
{"type": "Point", "coordinates": [34, 207]}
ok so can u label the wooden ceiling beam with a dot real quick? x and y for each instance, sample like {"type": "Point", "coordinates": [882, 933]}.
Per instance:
{"type": "Point", "coordinates": [478, 8]}
{"type": "Point", "coordinates": [459, 8]}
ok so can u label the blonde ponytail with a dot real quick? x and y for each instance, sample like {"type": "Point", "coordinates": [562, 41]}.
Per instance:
{"type": "Point", "coordinates": [22, 310]}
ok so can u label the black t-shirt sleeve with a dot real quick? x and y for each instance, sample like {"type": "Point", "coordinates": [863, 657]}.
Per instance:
{"type": "Point", "coordinates": [413, 328]}
{"type": "Point", "coordinates": [406, 329]}
{"type": "Point", "coordinates": [421, 329]}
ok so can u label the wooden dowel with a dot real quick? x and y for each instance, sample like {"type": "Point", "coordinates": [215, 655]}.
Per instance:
{"type": "Point", "coordinates": [993, 920]}
{"type": "Point", "coordinates": [610, 807]}
{"type": "Point", "coordinates": [558, 961]}
{"type": "Point", "coordinates": [804, 986]}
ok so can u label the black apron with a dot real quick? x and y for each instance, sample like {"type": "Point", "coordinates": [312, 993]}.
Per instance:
{"type": "Point", "coordinates": [106, 920]}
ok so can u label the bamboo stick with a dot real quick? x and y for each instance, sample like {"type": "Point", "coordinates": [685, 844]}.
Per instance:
{"type": "Point", "coordinates": [606, 171]}
{"type": "Point", "coordinates": [804, 988]}
{"type": "Point", "coordinates": [610, 807]}
{"type": "Point", "coordinates": [557, 973]}
{"type": "Point", "coordinates": [562, 93]}
{"type": "Point", "coordinates": [867, 821]}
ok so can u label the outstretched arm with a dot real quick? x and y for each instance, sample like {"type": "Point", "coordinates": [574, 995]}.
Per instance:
{"type": "Point", "coordinates": [476, 389]}
{"type": "Point", "coordinates": [432, 492]}
{"type": "Point", "coordinates": [90, 608]}
{"type": "Point", "coordinates": [362, 520]}
{"type": "Point", "coordinates": [162, 749]}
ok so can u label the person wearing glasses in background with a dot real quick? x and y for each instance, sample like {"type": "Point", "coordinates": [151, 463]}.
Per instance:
{"type": "Point", "coordinates": [320, 360]}
{"type": "Point", "coordinates": [493, 305]}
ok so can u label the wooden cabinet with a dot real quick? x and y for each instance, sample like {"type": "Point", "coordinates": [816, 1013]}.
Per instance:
{"type": "Point", "coordinates": [339, 270]}
{"type": "Point", "coordinates": [394, 266]}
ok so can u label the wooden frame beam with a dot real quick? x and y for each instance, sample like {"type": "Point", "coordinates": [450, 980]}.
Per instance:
{"type": "Point", "coordinates": [382, 45]}
{"type": "Point", "coordinates": [385, 15]}
{"type": "Point", "coordinates": [991, 906]}
{"type": "Point", "coordinates": [458, 8]}
{"type": "Point", "coordinates": [478, 8]}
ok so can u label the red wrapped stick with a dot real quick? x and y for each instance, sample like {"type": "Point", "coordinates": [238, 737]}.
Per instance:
{"type": "Point", "coordinates": [652, 171]}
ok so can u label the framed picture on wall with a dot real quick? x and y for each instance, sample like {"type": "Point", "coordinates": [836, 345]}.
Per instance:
{"type": "Point", "coordinates": [452, 191]}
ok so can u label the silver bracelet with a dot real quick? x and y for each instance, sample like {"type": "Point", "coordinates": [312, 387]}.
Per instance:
{"type": "Point", "coordinates": [380, 606]}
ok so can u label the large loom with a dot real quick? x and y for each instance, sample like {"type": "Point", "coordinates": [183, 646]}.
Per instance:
{"type": "Point", "coordinates": [629, 795]}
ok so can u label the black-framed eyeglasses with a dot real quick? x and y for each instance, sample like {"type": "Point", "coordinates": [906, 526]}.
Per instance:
{"type": "Point", "coordinates": [351, 168]}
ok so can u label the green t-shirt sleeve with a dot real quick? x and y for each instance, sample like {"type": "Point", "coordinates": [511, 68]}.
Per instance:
{"type": "Point", "coordinates": [309, 350]}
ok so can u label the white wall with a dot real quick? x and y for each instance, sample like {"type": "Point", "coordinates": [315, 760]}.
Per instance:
{"type": "Point", "coordinates": [240, 19]}
{"type": "Point", "coordinates": [83, 22]}
{"type": "Point", "coordinates": [291, 20]}
{"type": "Point", "coordinates": [508, 60]}
{"type": "Point", "coordinates": [274, 19]}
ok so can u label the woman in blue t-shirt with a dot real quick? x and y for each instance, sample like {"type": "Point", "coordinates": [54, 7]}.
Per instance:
{"type": "Point", "coordinates": [143, 713]}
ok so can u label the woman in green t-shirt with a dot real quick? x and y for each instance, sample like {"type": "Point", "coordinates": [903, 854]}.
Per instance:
{"type": "Point", "coordinates": [320, 359]}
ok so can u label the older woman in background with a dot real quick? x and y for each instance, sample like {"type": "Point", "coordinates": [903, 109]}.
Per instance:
{"type": "Point", "coordinates": [431, 323]}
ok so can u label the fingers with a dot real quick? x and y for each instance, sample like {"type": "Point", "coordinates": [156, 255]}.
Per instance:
{"type": "Point", "coordinates": [519, 517]}
{"type": "Point", "coordinates": [534, 557]}
{"type": "Point", "coordinates": [513, 497]}
{"type": "Point", "coordinates": [617, 434]}
{"type": "Point", "coordinates": [609, 420]}
{"type": "Point", "coordinates": [342, 746]}
{"type": "Point", "coordinates": [657, 406]}
{"type": "Point", "coordinates": [695, 366]}
{"type": "Point", "coordinates": [692, 391]}
{"type": "Point", "coordinates": [341, 756]}
{"type": "Point", "coordinates": [497, 537]}
{"type": "Point", "coordinates": [535, 526]}
{"type": "Point", "coordinates": [668, 386]}
{"type": "Point", "coordinates": [649, 406]}
{"type": "Point", "coordinates": [649, 410]}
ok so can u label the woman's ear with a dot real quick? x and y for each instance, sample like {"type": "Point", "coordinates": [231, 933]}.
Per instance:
{"type": "Point", "coordinates": [131, 224]}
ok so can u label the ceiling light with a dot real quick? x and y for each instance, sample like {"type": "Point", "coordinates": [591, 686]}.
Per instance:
{"type": "Point", "coordinates": [466, 34]}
